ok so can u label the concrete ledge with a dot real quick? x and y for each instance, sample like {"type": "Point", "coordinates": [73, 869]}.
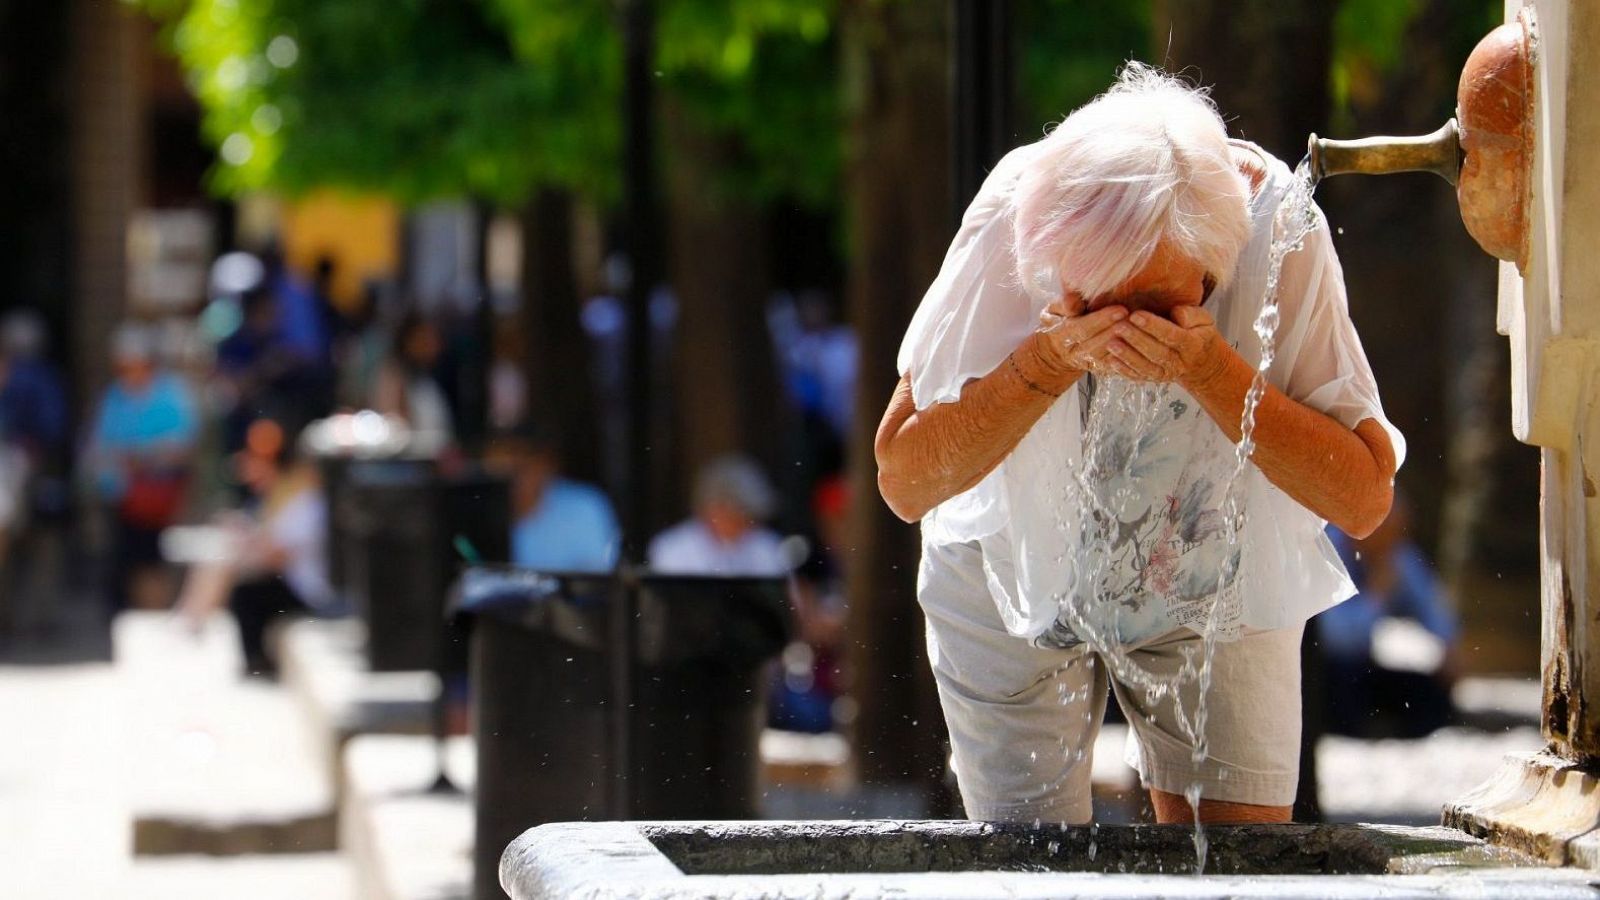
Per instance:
{"type": "Point", "coordinates": [977, 860]}
{"type": "Point", "coordinates": [1539, 804]}
{"type": "Point", "coordinates": [310, 876]}
{"type": "Point", "coordinates": [816, 761]}
{"type": "Point", "coordinates": [405, 842]}
{"type": "Point", "coordinates": [218, 765]}
{"type": "Point", "coordinates": [324, 669]}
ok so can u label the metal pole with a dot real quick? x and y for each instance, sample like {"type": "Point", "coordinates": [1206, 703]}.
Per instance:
{"type": "Point", "coordinates": [639, 240]}
{"type": "Point", "coordinates": [621, 647]}
{"type": "Point", "coordinates": [981, 73]}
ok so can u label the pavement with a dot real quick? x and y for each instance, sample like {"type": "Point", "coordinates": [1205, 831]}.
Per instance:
{"type": "Point", "coordinates": [75, 723]}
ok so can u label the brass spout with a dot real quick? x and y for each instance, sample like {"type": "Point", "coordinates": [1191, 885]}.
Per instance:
{"type": "Point", "coordinates": [1439, 153]}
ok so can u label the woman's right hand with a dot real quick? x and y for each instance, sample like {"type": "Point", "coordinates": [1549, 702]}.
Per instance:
{"type": "Point", "coordinates": [1077, 341]}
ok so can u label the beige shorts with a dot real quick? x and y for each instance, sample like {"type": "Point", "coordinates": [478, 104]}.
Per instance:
{"type": "Point", "coordinates": [1023, 720]}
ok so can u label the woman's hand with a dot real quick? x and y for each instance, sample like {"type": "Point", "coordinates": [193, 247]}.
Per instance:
{"type": "Point", "coordinates": [1188, 349]}
{"type": "Point", "coordinates": [1077, 341]}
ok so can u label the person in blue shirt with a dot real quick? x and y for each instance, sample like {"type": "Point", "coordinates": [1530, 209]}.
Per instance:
{"type": "Point", "coordinates": [140, 457]}
{"type": "Point", "coordinates": [1396, 685]}
{"type": "Point", "coordinates": [560, 525]}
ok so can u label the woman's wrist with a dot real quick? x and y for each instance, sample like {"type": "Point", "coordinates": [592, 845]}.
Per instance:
{"type": "Point", "coordinates": [1212, 372]}
{"type": "Point", "coordinates": [1041, 368]}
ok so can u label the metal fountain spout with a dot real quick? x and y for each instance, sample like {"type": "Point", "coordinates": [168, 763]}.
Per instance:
{"type": "Point", "coordinates": [1439, 153]}
{"type": "Point", "coordinates": [1486, 151]}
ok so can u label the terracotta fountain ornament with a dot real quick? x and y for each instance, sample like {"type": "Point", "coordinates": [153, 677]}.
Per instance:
{"type": "Point", "coordinates": [1486, 151]}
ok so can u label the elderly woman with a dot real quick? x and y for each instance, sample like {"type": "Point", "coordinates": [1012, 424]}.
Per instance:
{"type": "Point", "coordinates": [1064, 428]}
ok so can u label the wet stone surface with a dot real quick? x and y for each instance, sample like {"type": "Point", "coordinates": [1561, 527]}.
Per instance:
{"type": "Point", "coordinates": [963, 859]}
{"type": "Point", "coordinates": [776, 848]}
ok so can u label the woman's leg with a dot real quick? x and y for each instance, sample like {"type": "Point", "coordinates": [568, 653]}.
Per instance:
{"type": "Point", "coordinates": [1252, 728]}
{"type": "Point", "coordinates": [1174, 809]}
{"type": "Point", "coordinates": [1022, 720]}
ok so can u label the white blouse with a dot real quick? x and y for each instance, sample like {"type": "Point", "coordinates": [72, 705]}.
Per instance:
{"type": "Point", "coordinates": [1167, 552]}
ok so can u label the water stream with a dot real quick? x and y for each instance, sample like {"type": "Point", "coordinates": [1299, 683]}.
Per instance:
{"type": "Point", "coordinates": [1101, 493]}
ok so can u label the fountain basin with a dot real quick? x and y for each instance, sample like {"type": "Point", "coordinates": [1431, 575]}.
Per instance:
{"type": "Point", "coordinates": [967, 859]}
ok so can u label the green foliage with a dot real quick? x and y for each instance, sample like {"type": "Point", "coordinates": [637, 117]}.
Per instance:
{"type": "Point", "coordinates": [493, 98]}
{"type": "Point", "coordinates": [757, 72]}
{"type": "Point", "coordinates": [414, 98]}
{"type": "Point", "coordinates": [1069, 50]}
{"type": "Point", "coordinates": [1369, 43]}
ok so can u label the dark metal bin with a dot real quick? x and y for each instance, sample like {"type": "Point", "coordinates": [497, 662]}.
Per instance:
{"type": "Point", "coordinates": [400, 524]}
{"type": "Point", "coordinates": [551, 669]}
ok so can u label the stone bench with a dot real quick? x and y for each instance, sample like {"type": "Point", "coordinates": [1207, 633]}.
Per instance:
{"type": "Point", "coordinates": [325, 670]}
{"type": "Point", "coordinates": [310, 876]}
{"type": "Point", "coordinates": [218, 764]}
{"type": "Point", "coordinates": [405, 842]}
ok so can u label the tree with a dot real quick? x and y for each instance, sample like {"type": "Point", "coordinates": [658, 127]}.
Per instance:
{"type": "Point", "coordinates": [414, 99]}
{"type": "Point", "coordinates": [750, 119]}
{"type": "Point", "coordinates": [896, 60]}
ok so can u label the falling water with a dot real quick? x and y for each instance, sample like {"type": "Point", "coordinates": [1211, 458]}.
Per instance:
{"type": "Point", "coordinates": [1089, 607]}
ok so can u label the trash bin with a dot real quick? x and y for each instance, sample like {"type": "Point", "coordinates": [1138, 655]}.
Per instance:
{"type": "Point", "coordinates": [403, 526]}
{"type": "Point", "coordinates": [571, 725]}
{"type": "Point", "coordinates": [344, 441]}
{"type": "Point", "coordinates": [394, 565]}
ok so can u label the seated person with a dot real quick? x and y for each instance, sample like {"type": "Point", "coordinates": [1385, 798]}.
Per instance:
{"type": "Point", "coordinates": [560, 525]}
{"type": "Point", "coordinates": [1390, 650]}
{"type": "Point", "coordinates": [275, 563]}
{"type": "Point", "coordinates": [725, 536]}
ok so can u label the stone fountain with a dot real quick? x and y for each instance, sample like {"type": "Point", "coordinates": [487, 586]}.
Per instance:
{"type": "Point", "coordinates": [1521, 155]}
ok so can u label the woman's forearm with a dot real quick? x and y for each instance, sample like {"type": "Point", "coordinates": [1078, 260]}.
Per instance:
{"type": "Point", "coordinates": [1345, 476]}
{"type": "Point", "coordinates": [928, 456]}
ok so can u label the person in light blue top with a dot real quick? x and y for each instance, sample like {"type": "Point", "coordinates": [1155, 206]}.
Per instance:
{"type": "Point", "coordinates": [146, 420]}
{"type": "Point", "coordinates": [140, 456]}
{"type": "Point", "coordinates": [1391, 650]}
{"type": "Point", "coordinates": [561, 525]}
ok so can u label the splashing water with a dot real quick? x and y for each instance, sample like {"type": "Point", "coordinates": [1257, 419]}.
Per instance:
{"type": "Point", "coordinates": [1100, 491]}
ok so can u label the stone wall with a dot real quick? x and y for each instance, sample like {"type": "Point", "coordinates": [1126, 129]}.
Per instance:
{"type": "Point", "coordinates": [1551, 313]}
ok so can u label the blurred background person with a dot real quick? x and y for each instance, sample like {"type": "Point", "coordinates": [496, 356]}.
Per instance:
{"type": "Point", "coordinates": [407, 384]}
{"type": "Point", "coordinates": [275, 561]}
{"type": "Point", "coordinates": [725, 536]}
{"type": "Point", "coordinates": [140, 456]}
{"type": "Point", "coordinates": [811, 680]}
{"type": "Point", "coordinates": [33, 440]}
{"type": "Point", "coordinates": [251, 364]}
{"type": "Point", "coordinates": [508, 381]}
{"type": "Point", "coordinates": [1390, 651]}
{"type": "Point", "coordinates": [33, 397]}
{"type": "Point", "coordinates": [559, 524]}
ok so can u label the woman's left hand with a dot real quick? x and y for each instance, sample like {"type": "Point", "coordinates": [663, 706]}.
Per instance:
{"type": "Point", "coordinates": [1187, 350]}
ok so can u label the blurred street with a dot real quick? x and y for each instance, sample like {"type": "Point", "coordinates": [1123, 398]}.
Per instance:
{"type": "Point", "coordinates": [77, 777]}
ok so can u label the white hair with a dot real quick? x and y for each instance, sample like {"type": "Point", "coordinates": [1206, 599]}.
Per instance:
{"type": "Point", "coordinates": [1146, 162]}
{"type": "Point", "coordinates": [737, 480]}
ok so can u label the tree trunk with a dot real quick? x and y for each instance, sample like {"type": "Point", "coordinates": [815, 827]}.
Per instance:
{"type": "Point", "coordinates": [725, 381]}
{"type": "Point", "coordinates": [560, 384]}
{"type": "Point", "coordinates": [898, 178]}
{"type": "Point", "coordinates": [35, 77]}
{"type": "Point", "coordinates": [1267, 62]}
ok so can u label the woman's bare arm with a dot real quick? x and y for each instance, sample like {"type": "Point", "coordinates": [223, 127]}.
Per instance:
{"type": "Point", "coordinates": [928, 456]}
{"type": "Point", "coordinates": [1342, 474]}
